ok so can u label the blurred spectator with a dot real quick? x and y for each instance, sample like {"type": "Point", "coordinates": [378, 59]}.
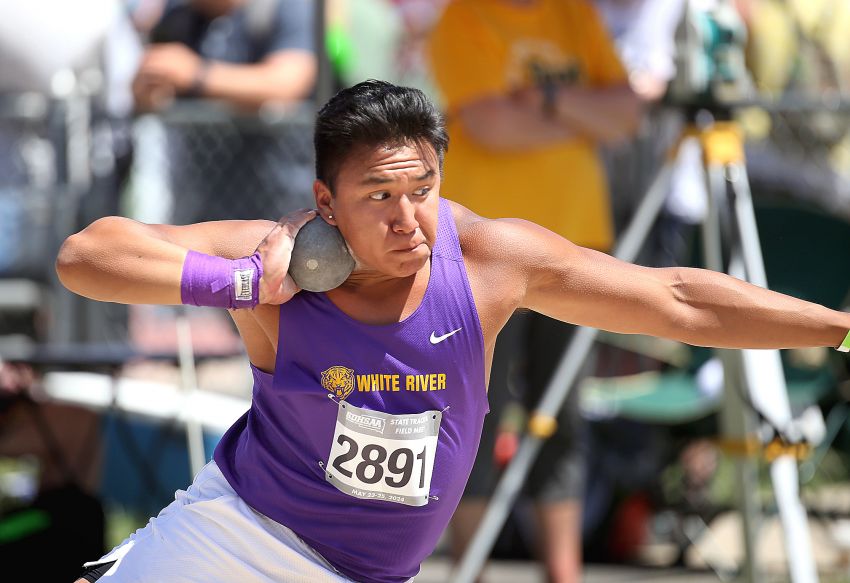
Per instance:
{"type": "Point", "coordinates": [245, 52]}
{"type": "Point", "coordinates": [644, 33]}
{"type": "Point", "coordinates": [65, 105]}
{"type": "Point", "coordinates": [419, 18]}
{"type": "Point", "coordinates": [382, 39]}
{"type": "Point", "coordinates": [248, 54]}
{"type": "Point", "coordinates": [531, 88]}
{"type": "Point", "coordinates": [800, 51]}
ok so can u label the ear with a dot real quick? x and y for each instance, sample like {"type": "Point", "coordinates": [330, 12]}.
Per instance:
{"type": "Point", "coordinates": [324, 201]}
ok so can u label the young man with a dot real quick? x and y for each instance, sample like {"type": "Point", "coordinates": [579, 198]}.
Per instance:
{"type": "Point", "coordinates": [532, 89]}
{"type": "Point", "coordinates": [369, 398]}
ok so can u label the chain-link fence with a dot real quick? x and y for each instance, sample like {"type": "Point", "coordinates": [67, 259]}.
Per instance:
{"type": "Point", "coordinates": [198, 162]}
{"type": "Point", "coordinates": [29, 186]}
{"type": "Point", "coordinates": [62, 166]}
{"type": "Point", "coordinates": [35, 202]}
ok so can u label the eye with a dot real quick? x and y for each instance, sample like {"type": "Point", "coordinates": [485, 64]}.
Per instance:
{"type": "Point", "coordinates": [422, 191]}
{"type": "Point", "coordinates": [379, 195]}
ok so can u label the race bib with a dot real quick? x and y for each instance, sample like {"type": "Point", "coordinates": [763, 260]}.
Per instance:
{"type": "Point", "coordinates": [383, 457]}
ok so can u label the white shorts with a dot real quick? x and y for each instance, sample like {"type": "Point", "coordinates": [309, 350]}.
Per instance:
{"type": "Point", "coordinates": [209, 534]}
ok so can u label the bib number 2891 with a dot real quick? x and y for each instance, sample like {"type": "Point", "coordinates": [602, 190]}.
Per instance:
{"type": "Point", "coordinates": [383, 457]}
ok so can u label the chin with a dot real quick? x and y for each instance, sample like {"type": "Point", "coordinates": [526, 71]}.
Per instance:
{"type": "Point", "coordinates": [413, 264]}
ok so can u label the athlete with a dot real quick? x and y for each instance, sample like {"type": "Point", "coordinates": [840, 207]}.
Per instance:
{"type": "Point", "coordinates": [369, 399]}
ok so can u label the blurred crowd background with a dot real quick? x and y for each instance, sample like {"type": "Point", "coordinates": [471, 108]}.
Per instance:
{"type": "Point", "coordinates": [560, 111]}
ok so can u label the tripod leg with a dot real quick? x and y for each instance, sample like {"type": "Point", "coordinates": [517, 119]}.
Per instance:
{"type": "Point", "coordinates": [553, 398]}
{"type": "Point", "coordinates": [765, 382]}
{"type": "Point", "coordinates": [738, 426]}
{"type": "Point", "coordinates": [736, 421]}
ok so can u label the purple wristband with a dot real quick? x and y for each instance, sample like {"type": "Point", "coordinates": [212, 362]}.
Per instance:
{"type": "Point", "coordinates": [221, 283]}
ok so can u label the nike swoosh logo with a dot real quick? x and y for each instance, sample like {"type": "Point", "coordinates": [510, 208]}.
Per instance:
{"type": "Point", "coordinates": [438, 339]}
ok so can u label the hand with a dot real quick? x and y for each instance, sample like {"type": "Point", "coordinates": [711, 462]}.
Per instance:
{"type": "Point", "coordinates": [15, 379]}
{"type": "Point", "coordinates": [171, 64]}
{"type": "Point", "coordinates": [152, 95]}
{"type": "Point", "coordinates": [276, 285]}
{"type": "Point", "coordinates": [531, 97]}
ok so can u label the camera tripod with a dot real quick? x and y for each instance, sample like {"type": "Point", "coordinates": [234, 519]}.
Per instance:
{"type": "Point", "coordinates": [752, 378]}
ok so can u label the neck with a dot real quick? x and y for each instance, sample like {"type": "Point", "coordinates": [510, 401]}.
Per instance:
{"type": "Point", "coordinates": [372, 297]}
{"type": "Point", "coordinates": [367, 278]}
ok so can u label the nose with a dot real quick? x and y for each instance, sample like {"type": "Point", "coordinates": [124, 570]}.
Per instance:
{"type": "Point", "coordinates": [404, 221]}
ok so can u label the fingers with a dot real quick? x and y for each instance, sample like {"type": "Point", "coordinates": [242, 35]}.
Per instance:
{"type": "Point", "coordinates": [293, 222]}
{"type": "Point", "coordinates": [276, 286]}
{"type": "Point", "coordinates": [299, 217]}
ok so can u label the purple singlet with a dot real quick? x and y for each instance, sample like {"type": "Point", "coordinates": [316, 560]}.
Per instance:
{"type": "Point", "coordinates": [363, 439]}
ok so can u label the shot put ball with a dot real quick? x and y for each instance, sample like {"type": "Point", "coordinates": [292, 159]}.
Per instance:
{"type": "Point", "coordinates": [320, 258]}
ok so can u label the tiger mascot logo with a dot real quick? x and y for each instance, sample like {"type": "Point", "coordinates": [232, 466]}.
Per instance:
{"type": "Point", "coordinates": [339, 381]}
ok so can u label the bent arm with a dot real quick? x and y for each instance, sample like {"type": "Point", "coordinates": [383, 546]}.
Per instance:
{"type": "Point", "coordinates": [694, 306]}
{"type": "Point", "coordinates": [116, 259]}
{"type": "Point", "coordinates": [283, 76]}
{"type": "Point", "coordinates": [505, 124]}
{"type": "Point", "coordinates": [606, 116]}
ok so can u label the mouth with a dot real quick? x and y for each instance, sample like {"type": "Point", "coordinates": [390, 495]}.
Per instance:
{"type": "Point", "coordinates": [409, 248]}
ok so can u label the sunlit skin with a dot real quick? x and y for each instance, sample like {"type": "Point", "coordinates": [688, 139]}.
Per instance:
{"type": "Point", "coordinates": [385, 203]}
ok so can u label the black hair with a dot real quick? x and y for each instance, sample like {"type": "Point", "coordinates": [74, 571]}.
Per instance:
{"type": "Point", "coordinates": [370, 114]}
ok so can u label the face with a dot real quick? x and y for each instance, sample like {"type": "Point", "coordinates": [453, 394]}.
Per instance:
{"type": "Point", "coordinates": [385, 204]}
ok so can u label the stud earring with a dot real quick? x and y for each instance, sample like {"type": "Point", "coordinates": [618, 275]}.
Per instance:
{"type": "Point", "coordinates": [330, 216]}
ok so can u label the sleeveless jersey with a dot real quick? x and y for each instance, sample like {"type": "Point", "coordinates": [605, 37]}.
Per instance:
{"type": "Point", "coordinates": [362, 440]}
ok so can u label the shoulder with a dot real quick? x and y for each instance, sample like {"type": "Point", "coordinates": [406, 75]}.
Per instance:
{"type": "Point", "coordinates": [513, 250]}
{"type": "Point", "coordinates": [500, 257]}
{"type": "Point", "coordinates": [176, 23]}
{"type": "Point", "coordinates": [497, 240]}
{"type": "Point", "coordinates": [473, 230]}
{"type": "Point", "coordinates": [583, 16]}
{"type": "Point", "coordinates": [292, 13]}
{"type": "Point", "coordinates": [456, 15]}
{"type": "Point", "coordinates": [583, 7]}
{"type": "Point", "coordinates": [302, 10]}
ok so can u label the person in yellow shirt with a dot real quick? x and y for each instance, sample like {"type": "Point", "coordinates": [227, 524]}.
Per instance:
{"type": "Point", "coordinates": [530, 89]}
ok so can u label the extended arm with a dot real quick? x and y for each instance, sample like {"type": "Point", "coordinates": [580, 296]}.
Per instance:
{"type": "Point", "coordinates": [695, 306]}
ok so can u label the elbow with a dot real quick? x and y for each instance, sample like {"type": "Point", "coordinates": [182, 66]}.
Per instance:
{"type": "Point", "coordinates": [685, 321]}
{"type": "Point", "coordinates": [633, 119]}
{"type": "Point", "coordinates": [76, 251]}
{"type": "Point", "coordinates": [628, 122]}
{"type": "Point", "coordinates": [634, 110]}
{"type": "Point", "coordinates": [627, 129]}
{"type": "Point", "coordinates": [68, 260]}
{"type": "Point", "coordinates": [290, 79]}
